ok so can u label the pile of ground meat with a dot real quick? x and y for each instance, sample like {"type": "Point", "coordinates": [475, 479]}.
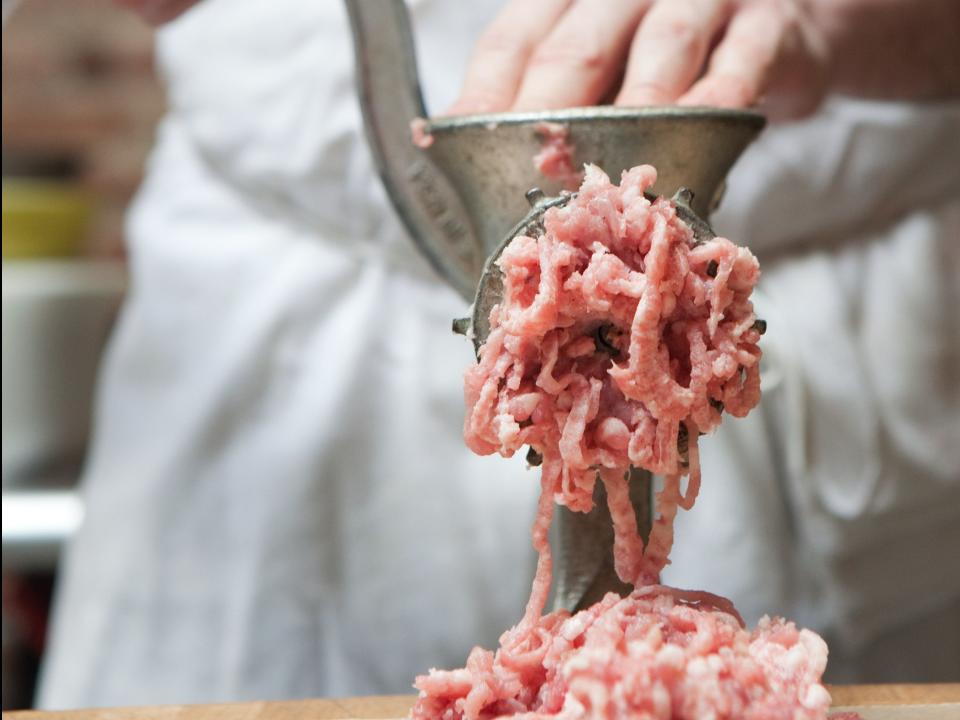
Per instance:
{"type": "Point", "coordinates": [619, 340]}
{"type": "Point", "coordinates": [658, 653]}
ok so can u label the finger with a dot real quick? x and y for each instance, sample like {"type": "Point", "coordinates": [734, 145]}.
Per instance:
{"type": "Point", "coordinates": [157, 12]}
{"type": "Point", "coordinates": [741, 65]}
{"type": "Point", "coordinates": [500, 56]}
{"type": "Point", "coordinates": [669, 50]}
{"type": "Point", "coordinates": [581, 58]}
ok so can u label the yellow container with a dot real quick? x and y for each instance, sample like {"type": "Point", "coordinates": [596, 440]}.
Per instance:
{"type": "Point", "coordinates": [43, 218]}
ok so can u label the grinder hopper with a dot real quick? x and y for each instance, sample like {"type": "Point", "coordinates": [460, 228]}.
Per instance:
{"type": "Point", "coordinates": [460, 197]}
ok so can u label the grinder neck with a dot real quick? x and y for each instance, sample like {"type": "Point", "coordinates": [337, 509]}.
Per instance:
{"type": "Point", "coordinates": [390, 98]}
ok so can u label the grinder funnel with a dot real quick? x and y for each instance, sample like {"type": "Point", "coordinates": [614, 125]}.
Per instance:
{"type": "Point", "coordinates": [460, 196]}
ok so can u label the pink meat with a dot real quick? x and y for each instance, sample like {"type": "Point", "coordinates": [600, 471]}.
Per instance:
{"type": "Point", "coordinates": [420, 133]}
{"type": "Point", "coordinates": [555, 159]}
{"type": "Point", "coordinates": [657, 653]}
{"type": "Point", "coordinates": [619, 340]}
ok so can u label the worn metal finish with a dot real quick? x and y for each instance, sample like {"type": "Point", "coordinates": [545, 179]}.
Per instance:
{"type": "Point", "coordinates": [390, 98]}
{"type": "Point", "coordinates": [461, 197]}
{"type": "Point", "coordinates": [583, 546]}
{"type": "Point", "coordinates": [489, 158]}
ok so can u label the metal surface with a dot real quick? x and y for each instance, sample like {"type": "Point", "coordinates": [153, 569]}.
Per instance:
{"type": "Point", "coordinates": [390, 98]}
{"type": "Point", "coordinates": [583, 546]}
{"type": "Point", "coordinates": [489, 158]}
{"type": "Point", "coordinates": [460, 197]}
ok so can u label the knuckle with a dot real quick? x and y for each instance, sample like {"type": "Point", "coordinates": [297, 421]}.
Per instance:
{"type": "Point", "coordinates": [681, 32]}
{"type": "Point", "coordinates": [754, 52]}
{"type": "Point", "coordinates": [577, 56]}
{"type": "Point", "coordinates": [484, 100]}
{"type": "Point", "coordinates": [734, 90]}
{"type": "Point", "coordinates": [788, 12]}
{"type": "Point", "coordinates": [500, 42]}
{"type": "Point", "coordinates": [784, 15]}
{"type": "Point", "coordinates": [647, 91]}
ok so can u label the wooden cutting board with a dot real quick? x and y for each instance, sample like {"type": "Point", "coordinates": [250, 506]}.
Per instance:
{"type": "Point", "coordinates": [899, 702]}
{"type": "Point", "coordinates": [873, 702]}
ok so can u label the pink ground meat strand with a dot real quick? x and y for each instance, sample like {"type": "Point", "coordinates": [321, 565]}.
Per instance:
{"type": "Point", "coordinates": [555, 159]}
{"type": "Point", "coordinates": [658, 653]}
{"type": "Point", "coordinates": [619, 340]}
{"type": "Point", "coordinates": [420, 133]}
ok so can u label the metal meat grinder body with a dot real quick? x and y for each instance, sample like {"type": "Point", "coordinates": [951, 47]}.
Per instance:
{"type": "Point", "coordinates": [461, 196]}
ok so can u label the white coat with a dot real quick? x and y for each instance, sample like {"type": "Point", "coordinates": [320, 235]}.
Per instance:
{"type": "Point", "coordinates": [279, 502]}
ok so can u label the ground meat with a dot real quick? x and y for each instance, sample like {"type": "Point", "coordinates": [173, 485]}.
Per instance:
{"type": "Point", "coordinates": [555, 159]}
{"type": "Point", "coordinates": [658, 653]}
{"type": "Point", "coordinates": [619, 340]}
{"type": "Point", "coordinates": [420, 133]}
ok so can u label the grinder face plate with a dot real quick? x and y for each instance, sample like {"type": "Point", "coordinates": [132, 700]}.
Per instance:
{"type": "Point", "coordinates": [490, 288]}
{"type": "Point", "coordinates": [583, 542]}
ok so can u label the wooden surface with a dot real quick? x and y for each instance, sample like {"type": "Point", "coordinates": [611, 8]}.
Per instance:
{"type": "Point", "coordinates": [895, 694]}
{"type": "Point", "coordinates": [875, 702]}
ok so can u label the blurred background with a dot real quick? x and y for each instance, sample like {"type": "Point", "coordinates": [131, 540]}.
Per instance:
{"type": "Point", "coordinates": [80, 102]}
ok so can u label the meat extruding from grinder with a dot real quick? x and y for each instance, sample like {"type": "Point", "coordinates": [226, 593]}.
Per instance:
{"type": "Point", "coordinates": [619, 340]}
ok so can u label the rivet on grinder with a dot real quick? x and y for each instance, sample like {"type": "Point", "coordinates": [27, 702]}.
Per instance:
{"type": "Point", "coordinates": [461, 326]}
{"type": "Point", "coordinates": [683, 196]}
{"type": "Point", "coordinates": [534, 195]}
{"type": "Point", "coordinates": [606, 342]}
{"type": "Point", "coordinates": [534, 459]}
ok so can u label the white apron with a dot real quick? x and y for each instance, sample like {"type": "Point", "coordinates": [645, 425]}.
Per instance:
{"type": "Point", "coordinates": [279, 502]}
{"type": "Point", "coordinates": [837, 502]}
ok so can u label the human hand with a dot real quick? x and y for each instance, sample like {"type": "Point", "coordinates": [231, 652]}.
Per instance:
{"type": "Point", "coordinates": [547, 54]}
{"type": "Point", "coordinates": [157, 12]}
